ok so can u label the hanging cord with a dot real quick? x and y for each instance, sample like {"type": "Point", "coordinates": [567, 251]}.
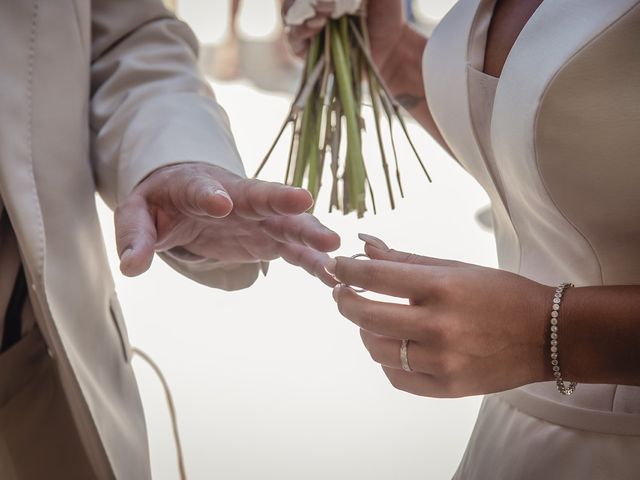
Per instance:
{"type": "Point", "coordinates": [172, 408]}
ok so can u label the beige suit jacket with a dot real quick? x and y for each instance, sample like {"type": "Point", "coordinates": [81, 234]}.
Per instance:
{"type": "Point", "coordinates": [96, 95]}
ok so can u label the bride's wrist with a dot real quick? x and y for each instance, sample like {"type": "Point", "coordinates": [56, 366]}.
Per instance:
{"type": "Point", "coordinates": [541, 306]}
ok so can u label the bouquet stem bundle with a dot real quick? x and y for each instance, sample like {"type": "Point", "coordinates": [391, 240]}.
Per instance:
{"type": "Point", "coordinates": [328, 107]}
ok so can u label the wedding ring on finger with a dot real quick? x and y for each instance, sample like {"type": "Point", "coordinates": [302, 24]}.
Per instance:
{"type": "Point", "coordinates": [404, 356]}
{"type": "Point", "coordinates": [358, 289]}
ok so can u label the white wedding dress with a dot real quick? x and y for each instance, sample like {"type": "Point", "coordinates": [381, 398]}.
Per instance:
{"type": "Point", "coordinates": [555, 142]}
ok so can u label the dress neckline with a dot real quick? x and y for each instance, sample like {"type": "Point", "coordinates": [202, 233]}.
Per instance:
{"type": "Point", "coordinates": [479, 33]}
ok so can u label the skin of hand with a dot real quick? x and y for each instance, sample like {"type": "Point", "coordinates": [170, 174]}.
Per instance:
{"type": "Point", "coordinates": [385, 21]}
{"type": "Point", "coordinates": [472, 330]}
{"type": "Point", "coordinates": [213, 213]}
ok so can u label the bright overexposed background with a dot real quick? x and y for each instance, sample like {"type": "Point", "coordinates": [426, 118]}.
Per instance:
{"type": "Point", "coordinates": [270, 382]}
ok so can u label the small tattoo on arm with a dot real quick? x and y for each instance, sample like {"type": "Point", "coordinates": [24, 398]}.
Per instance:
{"type": "Point", "coordinates": [409, 101]}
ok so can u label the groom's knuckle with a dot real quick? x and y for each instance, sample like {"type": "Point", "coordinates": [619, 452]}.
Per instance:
{"type": "Point", "coordinates": [342, 270]}
{"type": "Point", "coordinates": [190, 192]}
{"type": "Point", "coordinates": [317, 265]}
{"type": "Point", "coordinates": [246, 199]}
{"type": "Point", "coordinates": [192, 185]}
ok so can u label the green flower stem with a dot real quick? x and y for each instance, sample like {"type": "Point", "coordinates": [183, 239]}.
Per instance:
{"type": "Point", "coordinates": [336, 136]}
{"type": "Point", "coordinates": [354, 161]}
{"type": "Point", "coordinates": [307, 128]}
{"type": "Point", "coordinates": [292, 148]}
{"type": "Point", "coordinates": [313, 177]}
{"type": "Point", "coordinates": [389, 113]}
{"type": "Point", "coordinates": [375, 93]}
{"type": "Point", "coordinates": [394, 103]}
{"type": "Point", "coordinates": [330, 99]}
{"type": "Point", "coordinates": [301, 99]}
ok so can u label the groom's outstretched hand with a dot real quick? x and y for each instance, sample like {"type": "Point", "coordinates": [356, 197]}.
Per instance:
{"type": "Point", "coordinates": [213, 213]}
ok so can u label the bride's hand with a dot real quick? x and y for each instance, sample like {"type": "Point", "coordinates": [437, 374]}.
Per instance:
{"type": "Point", "coordinates": [472, 330]}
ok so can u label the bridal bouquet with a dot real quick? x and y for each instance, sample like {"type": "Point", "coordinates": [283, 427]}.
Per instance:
{"type": "Point", "coordinates": [327, 109]}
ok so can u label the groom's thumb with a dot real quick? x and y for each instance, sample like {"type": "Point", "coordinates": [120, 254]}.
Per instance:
{"type": "Point", "coordinates": [135, 235]}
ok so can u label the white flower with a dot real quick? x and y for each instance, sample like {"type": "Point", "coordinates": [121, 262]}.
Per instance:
{"type": "Point", "coordinates": [302, 10]}
{"type": "Point", "coordinates": [345, 7]}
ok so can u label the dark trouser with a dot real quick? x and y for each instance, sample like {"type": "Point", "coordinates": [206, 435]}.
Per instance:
{"type": "Point", "coordinates": [38, 437]}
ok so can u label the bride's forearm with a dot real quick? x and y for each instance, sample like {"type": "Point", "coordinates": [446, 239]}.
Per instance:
{"type": "Point", "coordinates": [402, 73]}
{"type": "Point", "coordinates": [599, 335]}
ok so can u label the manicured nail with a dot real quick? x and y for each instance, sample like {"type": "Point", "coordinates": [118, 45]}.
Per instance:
{"type": "Point", "coordinates": [264, 268]}
{"type": "Point", "coordinates": [330, 267]}
{"type": "Point", "coordinates": [373, 241]}
{"type": "Point", "coordinates": [221, 193]}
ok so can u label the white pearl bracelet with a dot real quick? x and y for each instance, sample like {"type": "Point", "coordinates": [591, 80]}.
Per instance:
{"type": "Point", "coordinates": [563, 388]}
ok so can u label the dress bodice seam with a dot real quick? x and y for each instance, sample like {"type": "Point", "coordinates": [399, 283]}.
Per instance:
{"type": "Point", "coordinates": [535, 133]}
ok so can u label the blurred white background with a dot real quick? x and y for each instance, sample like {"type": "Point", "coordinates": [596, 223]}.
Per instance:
{"type": "Point", "coordinates": [270, 382]}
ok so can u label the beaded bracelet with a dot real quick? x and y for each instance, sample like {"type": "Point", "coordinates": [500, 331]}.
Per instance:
{"type": "Point", "coordinates": [555, 364]}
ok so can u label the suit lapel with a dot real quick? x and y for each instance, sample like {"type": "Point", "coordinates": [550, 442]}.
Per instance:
{"type": "Point", "coordinates": [18, 30]}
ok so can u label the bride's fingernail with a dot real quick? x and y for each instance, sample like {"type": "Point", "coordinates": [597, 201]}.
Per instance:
{"type": "Point", "coordinates": [330, 267]}
{"type": "Point", "coordinates": [374, 241]}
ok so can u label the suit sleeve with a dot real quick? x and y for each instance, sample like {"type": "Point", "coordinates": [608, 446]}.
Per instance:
{"type": "Point", "coordinates": [150, 107]}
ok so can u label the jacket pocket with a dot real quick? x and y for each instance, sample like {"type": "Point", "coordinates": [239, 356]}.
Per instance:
{"type": "Point", "coordinates": [118, 319]}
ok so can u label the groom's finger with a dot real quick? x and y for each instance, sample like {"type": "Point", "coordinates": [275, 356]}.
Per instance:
{"type": "Point", "coordinates": [309, 259]}
{"type": "Point", "coordinates": [192, 188]}
{"type": "Point", "coordinates": [202, 196]}
{"type": "Point", "coordinates": [256, 200]}
{"type": "Point", "coordinates": [302, 229]}
{"type": "Point", "coordinates": [135, 235]}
